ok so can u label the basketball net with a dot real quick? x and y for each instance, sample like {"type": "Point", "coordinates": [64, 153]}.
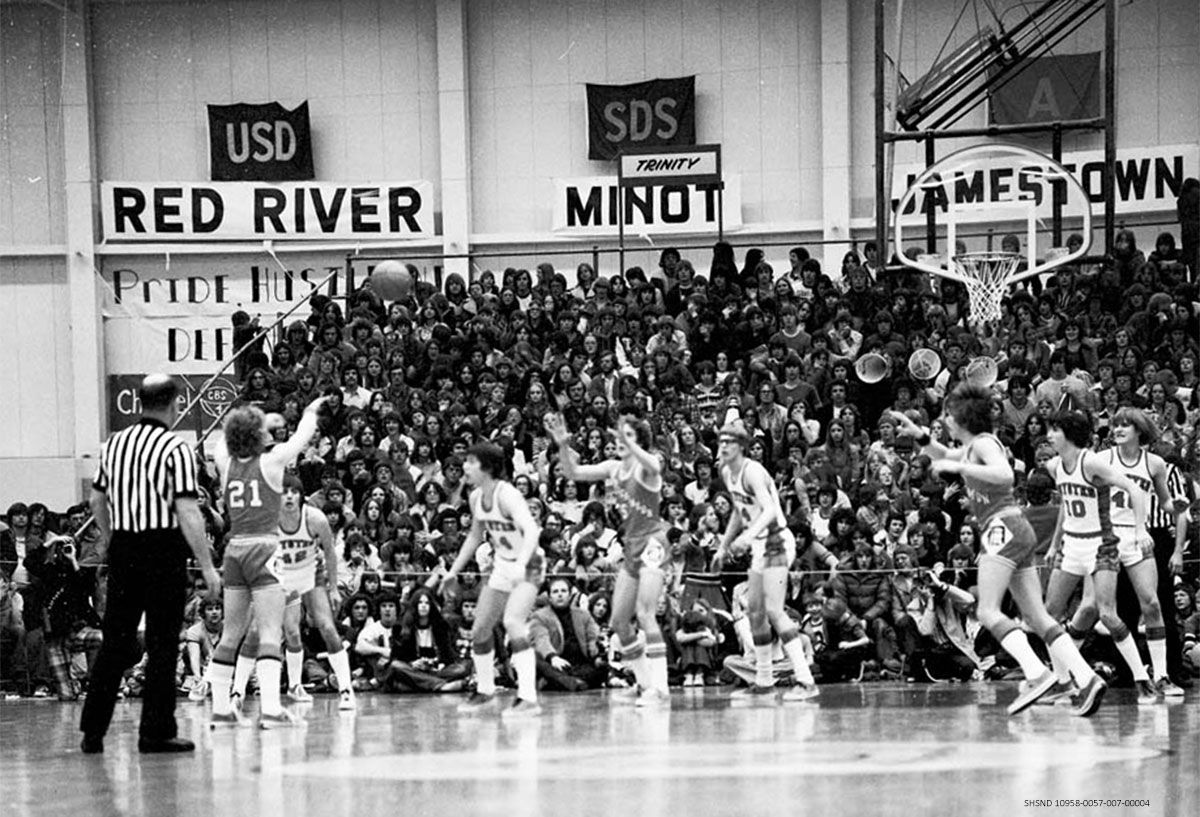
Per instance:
{"type": "Point", "coordinates": [986, 276]}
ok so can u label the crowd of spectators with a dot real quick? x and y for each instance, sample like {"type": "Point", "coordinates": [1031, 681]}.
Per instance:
{"type": "Point", "coordinates": [882, 582]}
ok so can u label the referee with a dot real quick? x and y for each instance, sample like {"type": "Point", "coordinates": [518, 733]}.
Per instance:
{"type": "Point", "coordinates": [144, 502]}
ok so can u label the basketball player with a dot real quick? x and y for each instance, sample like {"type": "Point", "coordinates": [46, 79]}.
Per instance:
{"type": "Point", "coordinates": [301, 529]}
{"type": "Point", "coordinates": [1133, 432]}
{"type": "Point", "coordinates": [1008, 542]}
{"type": "Point", "coordinates": [758, 525]}
{"type": "Point", "coordinates": [634, 483]}
{"type": "Point", "coordinates": [1085, 545]}
{"type": "Point", "coordinates": [500, 515]}
{"type": "Point", "coordinates": [253, 482]}
{"type": "Point", "coordinates": [309, 575]}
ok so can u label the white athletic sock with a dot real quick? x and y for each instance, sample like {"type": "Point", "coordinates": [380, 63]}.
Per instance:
{"type": "Point", "coordinates": [1158, 656]}
{"type": "Point", "coordinates": [1061, 671]}
{"type": "Point", "coordinates": [525, 665]}
{"type": "Point", "coordinates": [340, 662]}
{"type": "Point", "coordinates": [485, 672]}
{"type": "Point", "coordinates": [1017, 645]}
{"type": "Point", "coordinates": [659, 675]}
{"type": "Point", "coordinates": [1065, 651]}
{"type": "Point", "coordinates": [639, 664]}
{"type": "Point", "coordinates": [269, 670]}
{"type": "Point", "coordinates": [295, 668]}
{"type": "Point", "coordinates": [242, 672]}
{"type": "Point", "coordinates": [1133, 658]}
{"type": "Point", "coordinates": [764, 675]}
{"type": "Point", "coordinates": [221, 677]}
{"type": "Point", "coordinates": [795, 653]}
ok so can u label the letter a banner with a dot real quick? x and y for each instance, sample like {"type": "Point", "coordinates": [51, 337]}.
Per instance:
{"type": "Point", "coordinates": [259, 143]}
{"type": "Point", "coordinates": [1049, 89]}
{"type": "Point", "coordinates": [655, 113]}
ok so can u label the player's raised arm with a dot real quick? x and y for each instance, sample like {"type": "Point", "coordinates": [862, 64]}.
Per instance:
{"type": "Point", "coordinates": [993, 466]}
{"type": "Point", "coordinates": [928, 445]}
{"type": "Point", "coordinates": [569, 459]}
{"type": "Point", "coordinates": [286, 452]}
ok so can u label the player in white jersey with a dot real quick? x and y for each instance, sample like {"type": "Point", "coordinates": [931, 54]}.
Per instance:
{"type": "Point", "coordinates": [1132, 431]}
{"type": "Point", "coordinates": [1084, 545]}
{"type": "Point", "coordinates": [758, 525]}
{"type": "Point", "coordinates": [500, 515]}
{"type": "Point", "coordinates": [309, 574]}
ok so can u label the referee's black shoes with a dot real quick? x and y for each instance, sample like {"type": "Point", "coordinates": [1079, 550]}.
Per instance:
{"type": "Point", "coordinates": [91, 745]}
{"type": "Point", "coordinates": [169, 746]}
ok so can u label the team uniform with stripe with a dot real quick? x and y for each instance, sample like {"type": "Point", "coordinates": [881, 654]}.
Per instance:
{"type": "Point", "coordinates": [1124, 526]}
{"type": "Point", "coordinates": [1005, 533]}
{"type": "Point", "coordinates": [301, 558]}
{"type": "Point", "coordinates": [506, 541]}
{"type": "Point", "coordinates": [770, 548]}
{"type": "Point", "coordinates": [643, 530]}
{"type": "Point", "coordinates": [1088, 543]}
{"type": "Point", "coordinates": [252, 558]}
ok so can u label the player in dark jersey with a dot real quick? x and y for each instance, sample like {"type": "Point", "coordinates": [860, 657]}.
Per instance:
{"type": "Point", "coordinates": [634, 487]}
{"type": "Point", "coordinates": [253, 481]}
{"type": "Point", "coordinates": [500, 515]}
{"type": "Point", "coordinates": [1008, 543]}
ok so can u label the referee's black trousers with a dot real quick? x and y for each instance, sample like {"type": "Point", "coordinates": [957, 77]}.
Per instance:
{"type": "Point", "coordinates": [147, 573]}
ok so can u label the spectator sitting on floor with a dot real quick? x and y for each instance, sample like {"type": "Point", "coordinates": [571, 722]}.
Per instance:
{"type": "Point", "coordinates": [840, 643]}
{"type": "Point", "coordinates": [374, 642]}
{"type": "Point", "coordinates": [566, 640]}
{"type": "Point", "coordinates": [423, 657]}
{"type": "Point", "coordinates": [698, 638]}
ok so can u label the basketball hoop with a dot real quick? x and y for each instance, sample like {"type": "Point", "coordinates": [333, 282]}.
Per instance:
{"type": "Point", "coordinates": [986, 275]}
{"type": "Point", "coordinates": [997, 188]}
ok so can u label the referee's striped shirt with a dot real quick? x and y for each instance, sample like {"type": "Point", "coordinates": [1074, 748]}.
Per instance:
{"type": "Point", "coordinates": [1156, 515]}
{"type": "Point", "coordinates": [142, 471]}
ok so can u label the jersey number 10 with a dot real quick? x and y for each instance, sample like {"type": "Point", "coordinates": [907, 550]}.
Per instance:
{"type": "Point", "coordinates": [236, 494]}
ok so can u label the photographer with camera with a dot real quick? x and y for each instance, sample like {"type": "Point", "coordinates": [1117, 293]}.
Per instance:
{"type": "Point", "coordinates": [69, 621]}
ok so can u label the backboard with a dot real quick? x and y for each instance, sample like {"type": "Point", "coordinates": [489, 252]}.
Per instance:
{"type": "Point", "coordinates": [980, 195]}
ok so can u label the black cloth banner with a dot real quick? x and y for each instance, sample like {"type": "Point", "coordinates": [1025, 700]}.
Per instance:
{"type": "Point", "coordinates": [259, 143]}
{"type": "Point", "coordinates": [1050, 89]}
{"type": "Point", "coordinates": [647, 114]}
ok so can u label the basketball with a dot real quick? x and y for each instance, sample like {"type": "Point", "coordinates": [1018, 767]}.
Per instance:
{"type": "Point", "coordinates": [391, 281]}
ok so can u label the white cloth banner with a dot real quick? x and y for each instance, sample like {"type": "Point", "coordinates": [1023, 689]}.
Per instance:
{"type": "Point", "coordinates": [588, 206]}
{"type": "Point", "coordinates": [258, 211]}
{"type": "Point", "coordinates": [176, 317]}
{"type": "Point", "coordinates": [1148, 180]}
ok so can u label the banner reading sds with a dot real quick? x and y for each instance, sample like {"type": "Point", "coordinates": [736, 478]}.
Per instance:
{"type": "Point", "coordinates": [241, 211]}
